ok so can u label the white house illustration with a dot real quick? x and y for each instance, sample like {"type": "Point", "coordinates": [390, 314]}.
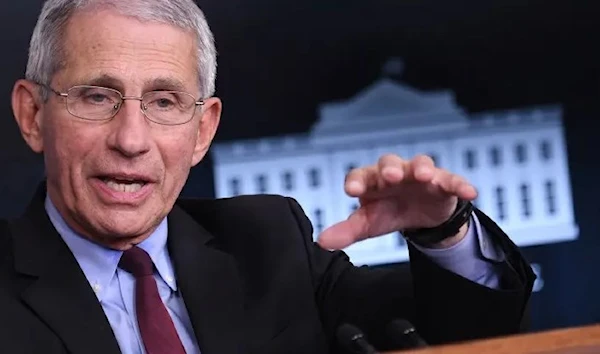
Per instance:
{"type": "Point", "coordinates": [516, 159]}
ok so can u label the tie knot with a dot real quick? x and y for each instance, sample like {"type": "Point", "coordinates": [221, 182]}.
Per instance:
{"type": "Point", "coordinates": [137, 262]}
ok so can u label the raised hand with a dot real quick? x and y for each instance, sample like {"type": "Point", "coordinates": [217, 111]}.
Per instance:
{"type": "Point", "coordinates": [397, 194]}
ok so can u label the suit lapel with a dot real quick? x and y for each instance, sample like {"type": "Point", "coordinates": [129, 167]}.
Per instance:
{"type": "Point", "coordinates": [59, 293]}
{"type": "Point", "coordinates": [210, 285]}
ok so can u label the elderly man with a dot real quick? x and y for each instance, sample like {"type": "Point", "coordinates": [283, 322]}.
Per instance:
{"type": "Point", "coordinates": [107, 259]}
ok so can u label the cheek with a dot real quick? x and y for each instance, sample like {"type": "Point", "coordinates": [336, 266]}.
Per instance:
{"type": "Point", "coordinates": [177, 156]}
{"type": "Point", "coordinates": [56, 148]}
{"type": "Point", "coordinates": [65, 149]}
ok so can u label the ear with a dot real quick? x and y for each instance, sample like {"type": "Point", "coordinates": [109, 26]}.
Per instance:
{"type": "Point", "coordinates": [209, 122]}
{"type": "Point", "coordinates": [26, 104]}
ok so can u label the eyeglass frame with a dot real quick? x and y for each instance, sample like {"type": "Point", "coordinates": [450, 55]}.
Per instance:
{"type": "Point", "coordinates": [120, 104]}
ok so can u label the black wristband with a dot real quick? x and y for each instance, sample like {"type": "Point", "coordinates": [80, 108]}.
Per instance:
{"type": "Point", "coordinates": [430, 236]}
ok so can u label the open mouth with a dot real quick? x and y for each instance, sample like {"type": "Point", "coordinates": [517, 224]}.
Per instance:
{"type": "Point", "coordinates": [124, 185]}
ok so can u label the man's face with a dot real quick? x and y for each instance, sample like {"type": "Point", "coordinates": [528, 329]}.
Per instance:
{"type": "Point", "coordinates": [114, 181]}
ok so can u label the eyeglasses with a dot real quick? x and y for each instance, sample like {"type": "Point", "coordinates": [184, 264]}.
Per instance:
{"type": "Point", "coordinates": [101, 103]}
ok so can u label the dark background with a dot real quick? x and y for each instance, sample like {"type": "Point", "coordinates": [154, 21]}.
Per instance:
{"type": "Point", "coordinates": [280, 58]}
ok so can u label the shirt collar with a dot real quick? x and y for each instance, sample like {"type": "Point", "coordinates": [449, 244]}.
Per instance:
{"type": "Point", "coordinates": [99, 264]}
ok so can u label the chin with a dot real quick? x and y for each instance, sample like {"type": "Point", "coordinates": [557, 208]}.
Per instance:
{"type": "Point", "coordinates": [128, 224]}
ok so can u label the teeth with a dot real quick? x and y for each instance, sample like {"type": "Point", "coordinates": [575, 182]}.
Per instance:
{"type": "Point", "coordinates": [124, 187]}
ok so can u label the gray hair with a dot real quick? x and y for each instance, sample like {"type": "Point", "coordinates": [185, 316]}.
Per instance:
{"type": "Point", "coordinates": [47, 55]}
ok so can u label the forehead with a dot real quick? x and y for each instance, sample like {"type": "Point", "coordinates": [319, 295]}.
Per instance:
{"type": "Point", "coordinates": [132, 53]}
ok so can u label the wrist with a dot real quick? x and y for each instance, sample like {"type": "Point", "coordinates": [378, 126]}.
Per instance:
{"type": "Point", "coordinates": [448, 233]}
{"type": "Point", "coordinates": [452, 240]}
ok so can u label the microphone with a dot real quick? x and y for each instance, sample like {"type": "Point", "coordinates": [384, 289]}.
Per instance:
{"type": "Point", "coordinates": [403, 335]}
{"type": "Point", "coordinates": [353, 340]}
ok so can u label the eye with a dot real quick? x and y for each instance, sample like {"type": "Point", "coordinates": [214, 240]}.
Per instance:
{"type": "Point", "coordinates": [96, 98]}
{"type": "Point", "coordinates": [163, 103]}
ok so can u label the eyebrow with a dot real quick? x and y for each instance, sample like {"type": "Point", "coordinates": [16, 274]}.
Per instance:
{"type": "Point", "coordinates": [155, 84]}
{"type": "Point", "coordinates": [164, 84]}
{"type": "Point", "coordinates": [103, 80]}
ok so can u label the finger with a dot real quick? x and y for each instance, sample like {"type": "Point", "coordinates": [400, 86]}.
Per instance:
{"type": "Point", "coordinates": [344, 234]}
{"type": "Point", "coordinates": [422, 169]}
{"type": "Point", "coordinates": [456, 185]}
{"type": "Point", "coordinates": [392, 168]}
{"type": "Point", "coordinates": [360, 180]}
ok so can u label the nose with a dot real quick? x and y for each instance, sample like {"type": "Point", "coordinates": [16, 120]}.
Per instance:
{"type": "Point", "coordinates": [130, 133]}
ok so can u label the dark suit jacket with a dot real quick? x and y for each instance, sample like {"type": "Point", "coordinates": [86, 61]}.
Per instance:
{"type": "Point", "coordinates": [253, 282]}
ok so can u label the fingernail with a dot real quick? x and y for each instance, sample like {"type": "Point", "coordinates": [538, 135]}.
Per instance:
{"type": "Point", "coordinates": [424, 170]}
{"type": "Point", "coordinates": [355, 186]}
{"type": "Point", "coordinates": [393, 172]}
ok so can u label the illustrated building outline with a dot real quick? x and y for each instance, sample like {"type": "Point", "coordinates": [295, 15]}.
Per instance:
{"type": "Point", "coordinates": [517, 160]}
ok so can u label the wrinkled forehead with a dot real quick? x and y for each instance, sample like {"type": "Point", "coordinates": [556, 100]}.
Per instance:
{"type": "Point", "coordinates": [105, 48]}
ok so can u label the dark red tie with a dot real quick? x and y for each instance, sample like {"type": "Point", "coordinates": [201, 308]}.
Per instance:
{"type": "Point", "coordinates": [156, 326]}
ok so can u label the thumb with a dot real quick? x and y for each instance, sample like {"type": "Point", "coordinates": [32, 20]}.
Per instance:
{"type": "Point", "coordinates": [344, 233]}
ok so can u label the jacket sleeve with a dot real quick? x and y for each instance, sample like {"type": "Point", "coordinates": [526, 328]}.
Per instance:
{"type": "Point", "coordinates": [443, 306]}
